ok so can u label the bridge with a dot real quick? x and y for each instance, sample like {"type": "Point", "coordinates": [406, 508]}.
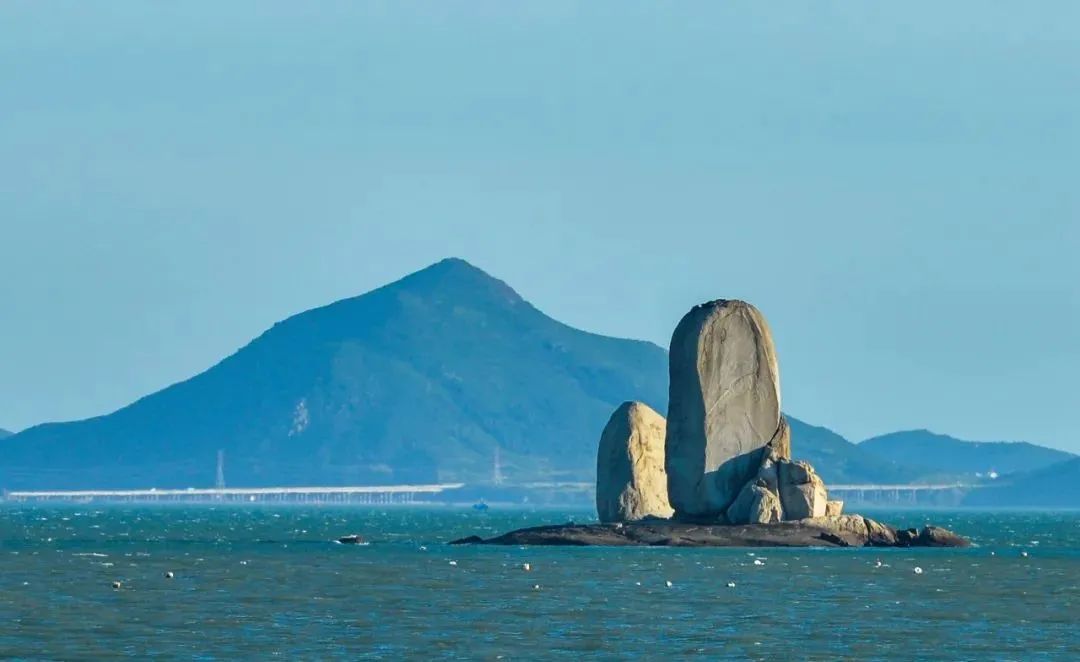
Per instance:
{"type": "Point", "coordinates": [405, 494]}
{"type": "Point", "coordinates": [368, 494]}
{"type": "Point", "coordinates": [861, 493]}
{"type": "Point", "coordinates": [552, 485]}
{"type": "Point", "coordinates": [890, 493]}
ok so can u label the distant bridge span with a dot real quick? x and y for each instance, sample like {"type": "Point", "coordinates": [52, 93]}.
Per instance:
{"type": "Point", "coordinates": [840, 487]}
{"type": "Point", "coordinates": [891, 486]}
{"type": "Point", "coordinates": [891, 493]}
{"type": "Point", "coordinates": [387, 494]}
{"type": "Point", "coordinates": [856, 493]}
{"type": "Point", "coordinates": [355, 494]}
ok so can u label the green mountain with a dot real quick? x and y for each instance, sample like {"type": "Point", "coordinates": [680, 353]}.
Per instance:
{"type": "Point", "coordinates": [418, 381]}
{"type": "Point", "coordinates": [938, 455]}
{"type": "Point", "coordinates": [1055, 486]}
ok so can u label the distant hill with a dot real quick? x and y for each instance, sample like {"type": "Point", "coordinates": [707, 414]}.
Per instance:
{"type": "Point", "coordinates": [418, 381]}
{"type": "Point", "coordinates": [838, 461]}
{"type": "Point", "coordinates": [1056, 486]}
{"type": "Point", "coordinates": [938, 454]}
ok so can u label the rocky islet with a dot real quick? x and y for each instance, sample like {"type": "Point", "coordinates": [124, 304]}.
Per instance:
{"type": "Point", "coordinates": [719, 471]}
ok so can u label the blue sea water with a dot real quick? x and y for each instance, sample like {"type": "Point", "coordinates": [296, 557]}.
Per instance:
{"type": "Point", "coordinates": [263, 583]}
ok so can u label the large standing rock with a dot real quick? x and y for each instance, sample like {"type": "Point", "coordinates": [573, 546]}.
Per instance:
{"type": "Point", "coordinates": [802, 492]}
{"type": "Point", "coordinates": [724, 406]}
{"type": "Point", "coordinates": [631, 482]}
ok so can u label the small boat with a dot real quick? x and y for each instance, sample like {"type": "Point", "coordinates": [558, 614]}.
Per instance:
{"type": "Point", "coordinates": [480, 506]}
{"type": "Point", "coordinates": [353, 539]}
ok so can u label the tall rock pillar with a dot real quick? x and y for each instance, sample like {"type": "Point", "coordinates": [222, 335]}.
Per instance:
{"type": "Point", "coordinates": [630, 480]}
{"type": "Point", "coordinates": [723, 407]}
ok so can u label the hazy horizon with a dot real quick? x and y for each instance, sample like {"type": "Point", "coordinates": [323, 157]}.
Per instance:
{"type": "Point", "coordinates": [892, 186]}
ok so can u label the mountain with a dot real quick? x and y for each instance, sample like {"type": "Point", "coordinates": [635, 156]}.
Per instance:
{"type": "Point", "coordinates": [838, 461]}
{"type": "Point", "coordinates": [418, 381]}
{"type": "Point", "coordinates": [945, 456]}
{"type": "Point", "coordinates": [4, 433]}
{"type": "Point", "coordinates": [1055, 486]}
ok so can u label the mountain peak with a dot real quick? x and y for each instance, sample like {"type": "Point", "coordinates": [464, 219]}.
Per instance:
{"type": "Point", "coordinates": [418, 381]}
{"type": "Point", "coordinates": [454, 277]}
{"type": "Point", "coordinates": [455, 269]}
{"type": "Point", "coordinates": [454, 262]}
{"type": "Point", "coordinates": [449, 266]}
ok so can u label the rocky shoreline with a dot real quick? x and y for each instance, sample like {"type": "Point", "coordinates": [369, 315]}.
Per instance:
{"type": "Point", "coordinates": [838, 531]}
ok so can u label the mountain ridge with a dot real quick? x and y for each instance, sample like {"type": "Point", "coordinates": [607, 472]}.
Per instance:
{"type": "Point", "coordinates": [1051, 486]}
{"type": "Point", "coordinates": [947, 455]}
{"type": "Point", "coordinates": [328, 395]}
{"type": "Point", "coordinates": [419, 380]}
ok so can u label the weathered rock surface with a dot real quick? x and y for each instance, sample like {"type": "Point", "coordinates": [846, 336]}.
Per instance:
{"type": "Point", "coordinates": [631, 482]}
{"type": "Point", "coordinates": [845, 526]}
{"type": "Point", "coordinates": [844, 531]}
{"type": "Point", "coordinates": [756, 504]}
{"type": "Point", "coordinates": [802, 492]}
{"type": "Point", "coordinates": [766, 509]}
{"type": "Point", "coordinates": [781, 441]}
{"type": "Point", "coordinates": [769, 471]}
{"type": "Point", "coordinates": [929, 536]}
{"type": "Point", "coordinates": [834, 508]}
{"type": "Point", "coordinates": [724, 406]}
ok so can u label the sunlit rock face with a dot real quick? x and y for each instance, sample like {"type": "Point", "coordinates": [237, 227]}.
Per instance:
{"type": "Point", "coordinates": [756, 504]}
{"type": "Point", "coordinates": [723, 408]}
{"type": "Point", "coordinates": [802, 492]}
{"type": "Point", "coordinates": [631, 482]}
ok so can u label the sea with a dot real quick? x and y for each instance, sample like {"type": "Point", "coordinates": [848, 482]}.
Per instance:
{"type": "Point", "coordinates": [257, 583]}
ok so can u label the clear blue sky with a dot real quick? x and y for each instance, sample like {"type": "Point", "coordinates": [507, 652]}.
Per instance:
{"type": "Point", "coordinates": [896, 185]}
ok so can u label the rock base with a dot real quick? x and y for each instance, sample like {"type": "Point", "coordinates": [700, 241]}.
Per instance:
{"type": "Point", "coordinates": [841, 531]}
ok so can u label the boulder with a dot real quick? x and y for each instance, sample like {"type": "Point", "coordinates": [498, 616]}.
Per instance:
{"type": "Point", "coordinates": [796, 473]}
{"type": "Point", "coordinates": [935, 536]}
{"type": "Point", "coordinates": [723, 407]}
{"type": "Point", "coordinates": [766, 508]}
{"type": "Point", "coordinates": [739, 510]}
{"type": "Point", "coordinates": [631, 482]}
{"type": "Point", "coordinates": [855, 527]}
{"type": "Point", "coordinates": [802, 492]}
{"type": "Point", "coordinates": [930, 536]}
{"type": "Point", "coordinates": [877, 534]}
{"type": "Point", "coordinates": [834, 508]}
{"type": "Point", "coordinates": [769, 471]}
{"type": "Point", "coordinates": [756, 504]}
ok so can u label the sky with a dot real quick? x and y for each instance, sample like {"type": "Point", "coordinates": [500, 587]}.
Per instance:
{"type": "Point", "coordinates": [895, 185]}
